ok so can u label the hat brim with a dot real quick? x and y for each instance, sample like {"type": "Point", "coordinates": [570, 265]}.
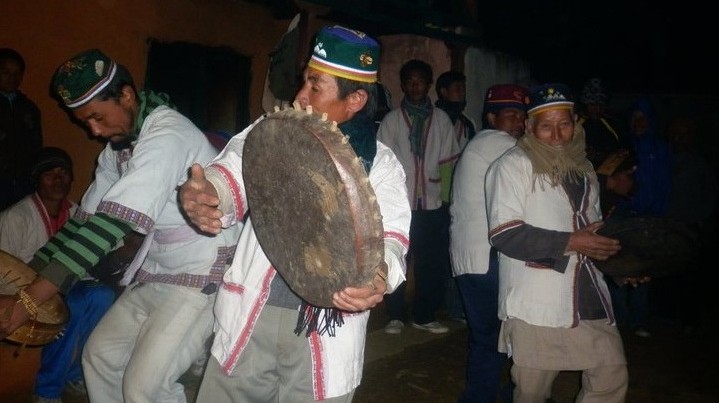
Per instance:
{"type": "Point", "coordinates": [498, 106]}
{"type": "Point", "coordinates": [342, 71]}
{"type": "Point", "coordinates": [549, 107]}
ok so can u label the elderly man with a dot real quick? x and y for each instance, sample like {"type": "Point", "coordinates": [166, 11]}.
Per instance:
{"type": "Point", "coordinates": [474, 263]}
{"type": "Point", "coordinates": [259, 354]}
{"type": "Point", "coordinates": [543, 209]}
{"type": "Point", "coordinates": [158, 326]}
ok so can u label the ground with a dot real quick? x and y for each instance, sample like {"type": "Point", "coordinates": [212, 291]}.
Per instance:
{"type": "Point", "coordinates": [670, 366]}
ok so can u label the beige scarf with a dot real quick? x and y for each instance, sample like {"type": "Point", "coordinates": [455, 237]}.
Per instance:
{"type": "Point", "coordinates": [553, 165]}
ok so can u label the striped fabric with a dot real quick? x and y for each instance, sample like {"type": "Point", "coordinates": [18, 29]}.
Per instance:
{"type": "Point", "coordinates": [62, 236]}
{"type": "Point", "coordinates": [80, 246]}
{"type": "Point", "coordinates": [224, 259]}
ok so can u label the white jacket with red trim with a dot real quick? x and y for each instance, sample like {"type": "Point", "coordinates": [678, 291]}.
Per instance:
{"type": "Point", "coordinates": [337, 361]}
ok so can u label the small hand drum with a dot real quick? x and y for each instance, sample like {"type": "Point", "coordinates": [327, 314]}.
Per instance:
{"type": "Point", "coordinates": [651, 246]}
{"type": "Point", "coordinates": [312, 207]}
{"type": "Point", "coordinates": [52, 315]}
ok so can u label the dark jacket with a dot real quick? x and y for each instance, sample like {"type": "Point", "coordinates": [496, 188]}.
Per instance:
{"type": "Point", "coordinates": [20, 135]}
{"type": "Point", "coordinates": [20, 139]}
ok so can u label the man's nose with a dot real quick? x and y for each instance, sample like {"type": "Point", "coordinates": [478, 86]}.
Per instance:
{"type": "Point", "coordinates": [94, 129]}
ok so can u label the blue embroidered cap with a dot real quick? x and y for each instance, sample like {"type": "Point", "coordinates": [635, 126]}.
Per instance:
{"type": "Point", "coordinates": [548, 96]}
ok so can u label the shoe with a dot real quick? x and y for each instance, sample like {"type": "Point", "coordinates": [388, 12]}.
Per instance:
{"type": "Point", "coordinates": [459, 320]}
{"type": "Point", "coordinates": [40, 399]}
{"type": "Point", "coordinates": [76, 388]}
{"type": "Point", "coordinates": [394, 327]}
{"type": "Point", "coordinates": [432, 327]}
{"type": "Point", "coordinates": [642, 332]}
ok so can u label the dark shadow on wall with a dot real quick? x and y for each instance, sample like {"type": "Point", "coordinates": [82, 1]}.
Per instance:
{"type": "Point", "coordinates": [209, 85]}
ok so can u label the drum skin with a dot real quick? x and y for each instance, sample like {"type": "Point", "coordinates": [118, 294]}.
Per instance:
{"type": "Point", "coordinates": [651, 246]}
{"type": "Point", "coordinates": [52, 315]}
{"type": "Point", "coordinates": [311, 204]}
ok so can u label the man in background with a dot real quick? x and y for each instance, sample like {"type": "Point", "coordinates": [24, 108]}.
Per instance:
{"type": "Point", "coordinates": [474, 262]}
{"type": "Point", "coordinates": [603, 133]}
{"type": "Point", "coordinates": [24, 228]}
{"type": "Point", "coordinates": [451, 87]}
{"type": "Point", "coordinates": [20, 130]}
{"type": "Point", "coordinates": [422, 138]}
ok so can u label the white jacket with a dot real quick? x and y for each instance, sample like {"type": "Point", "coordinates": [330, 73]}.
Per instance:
{"type": "Point", "coordinates": [25, 227]}
{"type": "Point", "coordinates": [539, 296]}
{"type": "Point", "coordinates": [423, 174]}
{"type": "Point", "coordinates": [469, 233]}
{"type": "Point", "coordinates": [337, 361]}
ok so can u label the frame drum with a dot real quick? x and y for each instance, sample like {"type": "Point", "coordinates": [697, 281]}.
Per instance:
{"type": "Point", "coordinates": [312, 207]}
{"type": "Point", "coordinates": [52, 315]}
{"type": "Point", "coordinates": [651, 246]}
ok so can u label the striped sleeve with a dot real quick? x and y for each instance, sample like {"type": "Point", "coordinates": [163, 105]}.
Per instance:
{"type": "Point", "coordinates": [84, 249]}
{"type": "Point", "coordinates": [53, 245]}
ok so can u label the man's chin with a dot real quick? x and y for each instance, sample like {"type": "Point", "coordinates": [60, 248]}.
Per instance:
{"type": "Point", "coordinates": [117, 139]}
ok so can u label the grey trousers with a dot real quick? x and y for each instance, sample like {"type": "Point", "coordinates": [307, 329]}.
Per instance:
{"type": "Point", "coordinates": [274, 367]}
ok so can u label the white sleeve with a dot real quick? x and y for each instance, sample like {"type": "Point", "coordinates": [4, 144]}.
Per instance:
{"type": "Point", "coordinates": [225, 174]}
{"type": "Point", "coordinates": [388, 181]}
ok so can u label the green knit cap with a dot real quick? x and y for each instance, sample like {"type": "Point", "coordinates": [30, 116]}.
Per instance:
{"type": "Point", "coordinates": [78, 80]}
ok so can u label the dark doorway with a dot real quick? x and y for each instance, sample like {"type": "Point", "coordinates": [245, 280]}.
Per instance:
{"type": "Point", "coordinates": [209, 85]}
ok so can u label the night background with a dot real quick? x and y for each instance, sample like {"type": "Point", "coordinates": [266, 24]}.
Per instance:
{"type": "Point", "coordinates": [636, 46]}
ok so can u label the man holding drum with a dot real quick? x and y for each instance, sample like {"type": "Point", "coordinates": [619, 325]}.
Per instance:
{"type": "Point", "coordinates": [262, 351]}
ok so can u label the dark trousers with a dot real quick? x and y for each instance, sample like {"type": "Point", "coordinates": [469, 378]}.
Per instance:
{"type": "Point", "coordinates": [480, 294]}
{"type": "Point", "coordinates": [631, 304]}
{"type": "Point", "coordinates": [429, 251]}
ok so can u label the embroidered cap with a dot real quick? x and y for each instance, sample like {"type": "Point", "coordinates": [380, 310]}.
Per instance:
{"type": "Point", "coordinates": [81, 78]}
{"type": "Point", "coordinates": [502, 96]}
{"type": "Point", "coordinates": [345, 53]}
{"type": "Point", "coordinates": [545, 97]}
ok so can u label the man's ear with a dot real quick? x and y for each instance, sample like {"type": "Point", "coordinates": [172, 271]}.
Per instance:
{"type": "Point", "coordinates": [443, 93]}
{"type": "Point", "coordinates": [357, 100]}
{"type": "Point", "coordinates": [491, 118]}
{"type": "Point", "coordinates": [127, 95]}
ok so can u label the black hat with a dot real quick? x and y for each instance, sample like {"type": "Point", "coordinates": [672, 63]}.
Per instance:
{"type": "Point", "coordinates": [48, 158]}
